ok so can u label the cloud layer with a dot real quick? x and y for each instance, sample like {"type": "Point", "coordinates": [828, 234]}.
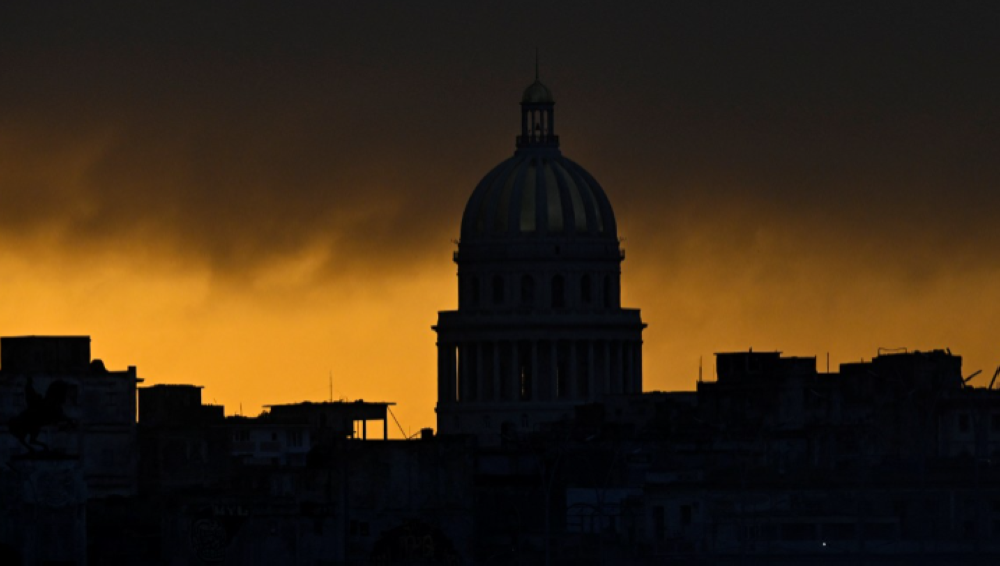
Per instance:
{"type": "Point", "coordinates": [764, 159]}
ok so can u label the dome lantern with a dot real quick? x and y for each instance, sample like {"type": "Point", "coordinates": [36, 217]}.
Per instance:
{"type": "Point", "coordinates": [538, 193]}
{"type": "Point", "coordinates": [537, 116]}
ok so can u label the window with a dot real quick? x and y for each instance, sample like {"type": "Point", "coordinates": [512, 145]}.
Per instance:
{"type": "Point", "coordinates": [474, 291]}
{"type": "Point", "coordinates": [524, 370]}
{"type": "Point", "coordinates": [585, 289]}
{"type": "Point", "coordinates": [963, 423]}
{"type": "Point", "coordinates": [659, 523]}
{"type": "Point", "coordinates": [798, 531]}
{"type": "Point", "coordinates": [527, 290]}
{"type": "Point", "coordinates": [607, 292]}
{"type": "Point", "coordinates": [498, 290]}
{"type": "Point", "coordinates": [558, 292]}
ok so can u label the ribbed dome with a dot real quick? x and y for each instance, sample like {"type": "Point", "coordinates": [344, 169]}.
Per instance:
{"type": "Point", "coordinates": [538, 194]}
{"type": "Point", "coordinates": [537, 93]}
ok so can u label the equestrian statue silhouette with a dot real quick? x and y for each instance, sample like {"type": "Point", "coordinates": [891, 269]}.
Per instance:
{"type": "Point", "coordinates": [40, 411]}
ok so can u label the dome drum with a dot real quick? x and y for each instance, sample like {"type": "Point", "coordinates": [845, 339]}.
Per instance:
{"type": "Point", "coordinates": [570, 250]}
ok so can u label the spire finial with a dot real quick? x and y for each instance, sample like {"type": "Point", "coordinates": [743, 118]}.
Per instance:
{"type": "Point", "coordinates": [536, 62]}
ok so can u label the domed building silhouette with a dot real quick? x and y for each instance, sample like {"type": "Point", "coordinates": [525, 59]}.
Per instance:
{"type": "Point", "coordinates": [539, 327]}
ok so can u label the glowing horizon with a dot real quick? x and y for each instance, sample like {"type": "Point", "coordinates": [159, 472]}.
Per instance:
{"type": "Point", "coordinates": [272, 198]}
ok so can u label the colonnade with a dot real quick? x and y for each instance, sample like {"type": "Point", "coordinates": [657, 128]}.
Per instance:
{"type": "Point", "coordinates": [537, 370]}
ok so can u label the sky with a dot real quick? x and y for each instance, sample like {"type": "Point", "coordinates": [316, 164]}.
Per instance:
{"type": "Point", "coordinates": [262, 198]}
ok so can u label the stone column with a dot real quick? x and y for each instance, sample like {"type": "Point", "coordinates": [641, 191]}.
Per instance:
{"type": "Point", "coordinates": [534, 371]}
{"type": "Point", "coordinates": [480, 374]}
{"type": "Point", "coordinates": [574, 376]}
{"type": "Point", "coordinates": [619, 365]}
{"type": "Point", "coordinates": [497, 350]}
{"type": "Point", "coordinates": [638, 366]}
{"type": "Point", "coordinates": [629, 382]}
{"type": "Point", "coordinates": [463, 373]}
{"type": "Point", "coordinates": [515, 371]}
{"type": "Point", "coordinates": [552, 391]}
{"type": "Point", "coordinates": [606, 370]}
{"type": "Point", "coordinates": [591, 371]}
{"type": "Point", "coordinates": [447, 373]}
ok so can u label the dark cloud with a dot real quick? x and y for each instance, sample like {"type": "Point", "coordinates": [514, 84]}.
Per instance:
{"type": "Point", "coordinates": [238, 134]}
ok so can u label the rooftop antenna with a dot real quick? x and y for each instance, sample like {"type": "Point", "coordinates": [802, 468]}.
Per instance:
{"type": "Point", "coordinates": [974, 374]}
{"type": "Point", "coordinates": [699, 368]}
{"type": "Point", "coordinates": [536, 63]}
{"type": "Point", "coordinates": [331, 386]}
{"type": "Point", "coordinates": [992, 381]}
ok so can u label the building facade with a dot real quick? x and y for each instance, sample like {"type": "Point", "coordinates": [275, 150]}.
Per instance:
{"type": "Point", "coordinates": [81, 410]}
{"type": "Point", "coordinates": [539, 327]}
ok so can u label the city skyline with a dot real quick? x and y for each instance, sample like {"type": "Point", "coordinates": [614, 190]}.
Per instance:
{"type": "Point", "coordinates": [252, 201]}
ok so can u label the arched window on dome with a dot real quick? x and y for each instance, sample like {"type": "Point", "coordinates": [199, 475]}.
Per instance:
{"type": "Point", "coordinates": [527, 290]}
{"type": "Point", "coordinates": [585, 292]}
{"type": "Point", "coordinates": [558, 292]}
{"type": "Point", "coordinates": [498, 290]}
{"type": "Point", "coordinates": [607, 291]}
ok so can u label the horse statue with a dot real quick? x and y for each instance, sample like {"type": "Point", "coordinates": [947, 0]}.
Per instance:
{"type": "Point", "coordinates": [40, 411]}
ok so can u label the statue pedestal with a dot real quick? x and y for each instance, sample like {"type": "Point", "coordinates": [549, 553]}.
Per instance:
{"type": "Point", "coordinates": [43, 509]}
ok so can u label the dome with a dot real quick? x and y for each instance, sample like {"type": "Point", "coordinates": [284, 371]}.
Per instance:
{"type": "Point", "coordinates": [537, 93]}
{"type": "Point", "coordinates": [538, 194]}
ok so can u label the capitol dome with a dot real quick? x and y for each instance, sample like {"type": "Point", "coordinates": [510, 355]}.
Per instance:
{"type": "Point", "coordinates": [538, 193]}
{"type": "Point", "coordinates": [539, 328]}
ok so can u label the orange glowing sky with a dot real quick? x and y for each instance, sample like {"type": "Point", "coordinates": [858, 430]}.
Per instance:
{"type": "Point", "coordinates": [250, 200]}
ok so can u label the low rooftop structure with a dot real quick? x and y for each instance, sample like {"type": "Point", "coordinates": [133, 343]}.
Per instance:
{"type": "Point", "coordinates": [342, 416]}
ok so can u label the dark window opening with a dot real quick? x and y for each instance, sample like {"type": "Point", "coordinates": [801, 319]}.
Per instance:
{"type": "Point", "coordinates": [527, 290]}
{"type": "Point", "coordinates": [474, 291]}
{"type": "Point", "coordinates": [562, 372]}
{"type": "Point", "coordinates": [524, 373]}
{"type": "Point", "coordinates": [558, 292]}
{"type": "Point", "coordinates": [963, 423]}
{"type": "Point", "coordinates": [585, 297]}
{"type": "Point", "coordinates": [582, 381]}
{"type": "Point", "coordinates": [659, 523]}
{"type": "Point", "coordinates": [505, 369]}
{"type": "Point", "coordinates": [798, 531]}
{"type": "Point", "coordinates": [607, 292]}
{"type": "Point", "coordinates": [498, 290]}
